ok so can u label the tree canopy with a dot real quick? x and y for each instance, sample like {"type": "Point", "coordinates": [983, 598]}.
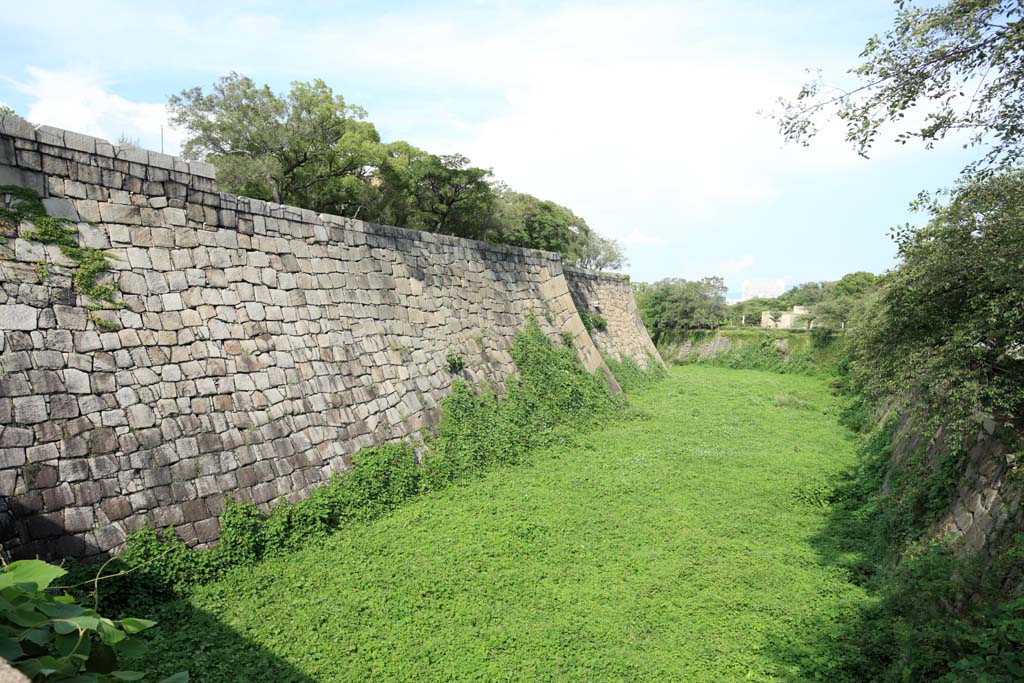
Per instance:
{"type": "Point", "coordinates": [677, 304]}
{"type": "Point", "coordinates": [960, 61]}
{"type": "Point", "coordinates": [311, 148]}
{"type": "Point", "coordinates": [950, 318]}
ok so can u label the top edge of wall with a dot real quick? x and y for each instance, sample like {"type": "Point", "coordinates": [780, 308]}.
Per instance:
{"type": "Point", "coordinates": [18, 127]}
{"type": "Point", "coordinates": [576, 270]}
{"type": "Point", "coordinates": [15, 126]}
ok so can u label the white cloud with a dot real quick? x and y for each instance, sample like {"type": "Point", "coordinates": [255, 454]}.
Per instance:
{"type": "Point", "coordinates": [733, 267]}
{"type": "Point", "coordinates": [78, 100]}
{"type": "Point", "coordinates": [639, 238]}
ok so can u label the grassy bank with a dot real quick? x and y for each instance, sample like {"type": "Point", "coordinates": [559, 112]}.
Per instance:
{"type": "Point", "coordinates": [685, 545]}
{"type": "Point", "coordinates": [816, 352]}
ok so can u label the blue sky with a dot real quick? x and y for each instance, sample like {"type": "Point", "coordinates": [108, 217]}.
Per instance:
{"type": "Point", "coordinates": [641, 116]}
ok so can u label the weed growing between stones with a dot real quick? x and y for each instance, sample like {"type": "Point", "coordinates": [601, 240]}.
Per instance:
{"type": "Point", "coordinates": [25, 206]}
{"type": "Point", "coordinates": [550, 398]}
{"type": "Point", "coordinates": [592, 321]}
{"type": "Point", "coordinates": [455, 363]}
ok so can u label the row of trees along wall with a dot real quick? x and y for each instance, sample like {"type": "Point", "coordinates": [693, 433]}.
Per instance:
{"type": "Point", "coordinates": [247, 349]}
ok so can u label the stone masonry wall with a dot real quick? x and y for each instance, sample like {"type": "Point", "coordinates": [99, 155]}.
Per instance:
{"type": "Point", "coordinates": [986, 508]}
{"type": "Point", "coordinates": [611, 296]}
{"type": "Point", "coordinates": [260, 345]}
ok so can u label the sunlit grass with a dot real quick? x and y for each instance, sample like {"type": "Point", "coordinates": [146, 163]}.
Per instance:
{"type": "Point", "coordinates": [679, 546]}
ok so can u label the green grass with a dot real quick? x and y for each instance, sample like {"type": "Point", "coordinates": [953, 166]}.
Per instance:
{"type": "Point", "coordinates": [683, 545]}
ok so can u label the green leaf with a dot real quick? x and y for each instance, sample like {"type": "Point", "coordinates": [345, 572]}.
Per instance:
{"type": "Point", "coordinates": [25, 616]}
{"type": "Point", "coordinates": [60, 610]}
{"type": "Point", "coordinates": [132, 625]}
{"type": "Point", "coordinates": [128, 675]}
{"type": "Point", "coordinates": [30, 572]}
{"type": "Point", "coordinates": [10, 649]}
{"type": "Point", "coordinates": [130, 647]}
{"type": "Point", "coordinates": [110, 634]}
{"type": "Point", "coordinates": [39, 636]}
{"type": "Point", "coordinates": [102, 660]}
{"type": "Point", "coordinates": [66, 645]}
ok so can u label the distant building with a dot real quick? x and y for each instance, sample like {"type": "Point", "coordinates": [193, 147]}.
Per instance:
{"type": "Point", "coordinates": [790, 320]}
{"type": "Point", "coordinates": [762, 289]}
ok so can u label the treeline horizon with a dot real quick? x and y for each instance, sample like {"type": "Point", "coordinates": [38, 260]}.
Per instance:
{"type": "Point", "coordinates": [679, 304]}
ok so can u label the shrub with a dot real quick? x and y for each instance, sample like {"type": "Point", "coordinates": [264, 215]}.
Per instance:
{"type": "Point", "coordinates": [455, 363]}
{"type": "Point", "coordinates": [592, 321]}
{"type": "Point", "coordinates": [47, 636]}
{"type": "Point", "coordinates": [631, 376]}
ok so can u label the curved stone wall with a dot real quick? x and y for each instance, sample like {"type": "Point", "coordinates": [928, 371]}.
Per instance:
{"type": "Point", "coordinates": [610, 296]}
{"type": "Point", "coordinates": [260, 346]}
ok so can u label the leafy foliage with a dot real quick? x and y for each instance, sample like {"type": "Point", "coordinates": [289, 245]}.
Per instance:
{"type": "Point", "coordinates": [600, 559]}
{"type": "Point", "coordinates": [789, 352]}
{"type": "Point", "coordinates": [525, 221]}
{"type": "Point", "coordinates": [592, 321]}
{"type": "Point", "coordinates": [631, 377]}
{"type": "Point", "coordinates": [308, 148]}
{"type": "Point", "coordinates": [677, 304]}
{"type": "Point", "coordinates": [962, 59]}
{"type": "Point", "coordinates": [949, 321]}
{"type": "Point", "coordinates": [455, 363]}
{"type": "Point", "coordinates": [47, 636]}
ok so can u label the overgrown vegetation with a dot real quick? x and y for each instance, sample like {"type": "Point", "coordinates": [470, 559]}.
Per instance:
{"type": "Point", "coordinates": [818, 352]}
{"type": "Point", "coordinates": [630, 376]}
{"type": "Point", "coordinates": [592, 321]}
{"type": "Point", "coordinates": [940, 342]}
{"type": "Point", "coordinates": [311, 148]}
{"type": "Point", "coordinates": [552, 395]}
{"type": "Point", "coordinates": [47, 636]}
{"type": "Point", "coordinates": [631, 552]}
{"type": "Point", "coordinates": [676, 304]}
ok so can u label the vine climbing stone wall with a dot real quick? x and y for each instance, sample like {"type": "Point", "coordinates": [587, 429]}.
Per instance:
{"type": "Point", "coordinates": [258, 348]}
{"type": "Point", "coordinates": [610, 296]}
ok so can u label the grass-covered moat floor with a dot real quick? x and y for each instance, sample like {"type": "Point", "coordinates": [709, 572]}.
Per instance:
{"type": "Point", "coordinates": [686, 545]}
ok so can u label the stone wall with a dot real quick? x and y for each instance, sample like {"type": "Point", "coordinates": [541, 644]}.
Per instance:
{"type": "Point", "coordinates": [610, 296]}
{"type": "Point", "coordinates": [985, 509]}
{"type": "Point", "coordinates": [260, 345]}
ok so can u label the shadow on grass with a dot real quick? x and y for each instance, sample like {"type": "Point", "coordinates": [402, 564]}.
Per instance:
{"type": "Point", "coordinates": [193, 640]}
{"type": "Point", "coordinates": [853, 641]}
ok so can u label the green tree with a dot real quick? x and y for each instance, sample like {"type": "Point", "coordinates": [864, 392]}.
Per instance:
{"type": "Point", "coordinates": [950, 318]}
{"type": "Point", "coordinates": [308, 148]}
{"type": "Point", "coordinates": [600, 253]}
{"type": "Point", "coordinates": [961, 61]}
{"type": "Point", "coordinates": [677, 304]}
{"type": "Point", "coordinates": [452, 197]}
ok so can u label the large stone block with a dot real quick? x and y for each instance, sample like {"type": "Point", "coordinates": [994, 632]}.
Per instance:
{"type": "Point", "coordinates": [18, 317]}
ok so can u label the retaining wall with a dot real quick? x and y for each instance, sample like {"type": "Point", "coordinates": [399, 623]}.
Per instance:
{"type": "Point", "coordinates": [260, 345]}
{"type": "Point", "coordinates": [611, 296]}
